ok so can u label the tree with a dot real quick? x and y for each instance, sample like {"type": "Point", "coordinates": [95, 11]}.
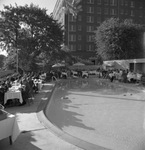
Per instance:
{"type": "Point", "coordinates": [30, 32]}
{"type": "Point", "coordinates": [116, 39]}
{"type": "Point", "coordinates": [72, 6]}
{"type": "Point", "coordinates": [2, 60]}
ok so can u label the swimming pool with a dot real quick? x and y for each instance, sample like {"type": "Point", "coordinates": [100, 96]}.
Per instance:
{"type": "Point", "coordinates": [99, 112]}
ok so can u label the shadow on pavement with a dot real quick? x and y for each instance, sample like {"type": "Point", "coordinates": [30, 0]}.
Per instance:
{"type": "Point", "coordinates": [24, 142]}
{"type": "Point", "coordinates": [60, 113]}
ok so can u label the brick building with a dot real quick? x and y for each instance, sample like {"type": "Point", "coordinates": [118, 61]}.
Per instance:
{"type": "Point", "coordinates": [79, 31]}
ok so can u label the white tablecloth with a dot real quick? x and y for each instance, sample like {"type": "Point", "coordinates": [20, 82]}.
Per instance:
{"type": "Point", "coordinates": [13, 95]}
{"type": "Point", "coordinates": [9, 127]}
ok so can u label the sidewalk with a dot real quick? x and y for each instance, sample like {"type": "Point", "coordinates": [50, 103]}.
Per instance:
{"type": "Point", "coordinates": [34, 136]}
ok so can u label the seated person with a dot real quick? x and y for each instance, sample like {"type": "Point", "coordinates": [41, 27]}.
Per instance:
{"type": "Point", "coordinates": [63, 75]}
{"type": "Point", "coordinates": [85, 74]}
{"type": "Point", "coordinates": [138, 77]}
{"type": "Point", "coordinates": [3, 113]}
{"type": "Point", "coordinates": [74, 74]}
{"type": "Point", "coordinates": [131, 77]}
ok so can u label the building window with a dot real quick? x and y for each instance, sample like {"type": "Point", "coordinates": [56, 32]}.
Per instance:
{"type": "Point", "coordinates": [79, 18]}
{"type": "Point", "coordinates": [79, 37]}
{"type": "Point", "coordinates": [132, 13]}
{"type": "Point", "coordinates": [113, 11]}
{"type": "Point", "coordinates": [121, 11]}
{"type": "Point", "coordinates": [121, 2]}
{"type": "Point", "coordinates": [72, 47]}
{"type": "Point", "coordinates": [79, 47]}
{"type": "Point", "coordinates": [126, 12]}
{"type": "Point", "coordinates": [98, 10]}
{"type": "Point", "coordinates": [106, 11]}
{"type": "Point", "coordinates": [90, 28]}
{"type": "Point", "coordinates": [99, 2]}
{"type": "Point", "coordinates": [141, 14]}
{"type": "Point", "coordinates": [72, 27]}
{"type": "Point", "coordinates": [90, 1]}
{"type": "Point", "coordinates": [90, 9]}
{"type": "Point", "coordinates": [106, 2]}
{"type": "Point", "coordinates": [132, 4]}
{"type": "Point", "coordinates": [89, 38]}
{"type": "Point", "coordinates": [79, 27]}
{"type": "Point", "coordinates": [72, 37]}
{"type": "Point", "coordinates": [90, 47]}
{"type": "Point", "coordinates": [113, 2]}
{"type": "Point", "coordinates": [126, 2]}
{"type": "Point", "coordinates": [98, 19]}
{"type": "Point", "coordinates": [140, 5]}
{"type": "Point", "coordinates": [71, 18]}
{"type": "Point", "coordinates": [90, 19]}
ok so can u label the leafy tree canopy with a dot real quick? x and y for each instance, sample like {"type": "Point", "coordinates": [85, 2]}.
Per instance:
{"type": "Point", "coordinates": [116, 39]}
{"type": "Point", "coordinates": [72, 6]}
{"type": "Point", "coordinates": [2, 59]}
{"type": "Point", "coordinates": [31, 32]}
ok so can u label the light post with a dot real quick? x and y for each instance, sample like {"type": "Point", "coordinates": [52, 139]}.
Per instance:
{"type": "Point", "coordinates": [16, 48]}
{"type": "Point", "coordinates": [17, 61]}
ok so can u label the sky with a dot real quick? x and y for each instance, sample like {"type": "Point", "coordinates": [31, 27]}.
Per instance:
{"type": "Point", "coordinates": [47, 4]}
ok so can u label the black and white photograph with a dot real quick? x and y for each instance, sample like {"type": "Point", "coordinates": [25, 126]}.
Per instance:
{"type": "Point", "coordinates": [72, 74]}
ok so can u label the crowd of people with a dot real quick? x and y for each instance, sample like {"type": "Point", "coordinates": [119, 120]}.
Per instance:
{"type": "Point", "coordinates": [121, 75]}
{"type": "Point", "coordinates": [29, 82]}
{"type": "Point", "coordinates": [126, 76]}
{"type": "Point", "coordinates": [28, 86]}
{"type": "Point", "coordinates": [66, 73]}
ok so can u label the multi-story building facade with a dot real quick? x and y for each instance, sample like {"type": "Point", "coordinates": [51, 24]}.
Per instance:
{"type": "Point", "coordinates": [80, 30]}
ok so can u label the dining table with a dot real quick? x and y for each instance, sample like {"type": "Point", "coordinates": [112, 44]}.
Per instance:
{"type": "Point", "coordinates": [9, 128]}
{"type": "Point", "coordinates": [13, 93]}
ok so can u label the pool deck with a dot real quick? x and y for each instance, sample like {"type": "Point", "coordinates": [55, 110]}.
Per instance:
{"type": "Point", "coordinates": [34, 135]}
{"type": "Point", "coordinates": [106, 122]}
{"type": "Point", "coordinates": [75, 124]}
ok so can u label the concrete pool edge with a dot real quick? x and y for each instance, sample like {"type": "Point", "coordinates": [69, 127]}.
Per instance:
{"type": "Point", "coordinates": [57, 131]}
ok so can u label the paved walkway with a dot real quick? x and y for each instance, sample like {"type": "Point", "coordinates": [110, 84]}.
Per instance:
{"type": "Point", "coordinates": [34, 136]}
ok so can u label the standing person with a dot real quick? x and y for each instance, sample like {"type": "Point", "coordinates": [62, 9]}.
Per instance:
{"type": "Point", "coordinates": [24, 91]}
{"type": "Point", "coordinates": [124, 76]}
{"type": "Point", "coordinates": [111, 75]}
{"type": "Point", "coordinates": [53, 76]}
{"type": "Point", "coordinates": [31, 83]}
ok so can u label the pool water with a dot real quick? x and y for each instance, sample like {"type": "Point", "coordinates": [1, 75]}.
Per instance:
{"type": "Point", "coordinates": [99, 112]}
{"type": "Point", "coordinates": [99, 86]}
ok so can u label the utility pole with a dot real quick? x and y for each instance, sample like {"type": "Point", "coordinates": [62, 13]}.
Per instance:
{"type": "Point", "coordinates": [17, 65]}
{"type": "Point", "coordinates": [68, 29]}
{"type": "Point", "coordinates": [118, 9]}
{"type": "Point", "coordinates": [16, 47]}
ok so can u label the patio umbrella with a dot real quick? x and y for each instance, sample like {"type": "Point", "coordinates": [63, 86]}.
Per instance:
{"type": "Point", "coordinates": [78, 64]}
{"type": "Point", "coordinates": [58, 65]}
